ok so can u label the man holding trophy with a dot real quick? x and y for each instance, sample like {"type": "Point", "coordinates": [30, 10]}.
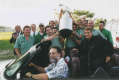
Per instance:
{"type": "Point", "coordinates": [67, 29]}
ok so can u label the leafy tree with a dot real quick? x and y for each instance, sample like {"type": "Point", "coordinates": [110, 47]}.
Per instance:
{"type": "Point", "coordinates": [98, 20]}
{"type": "Point", "coordinates": [77, 13]}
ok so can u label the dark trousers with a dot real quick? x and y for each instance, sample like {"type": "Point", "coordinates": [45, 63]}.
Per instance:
{"type": "Point", "coordinates": [86, 69]}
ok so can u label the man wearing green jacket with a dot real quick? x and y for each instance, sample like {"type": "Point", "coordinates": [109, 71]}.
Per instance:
{"type": "Point", "coordinates": [105, 32]}
{"type": "Point", "coordinates": [40, 34]}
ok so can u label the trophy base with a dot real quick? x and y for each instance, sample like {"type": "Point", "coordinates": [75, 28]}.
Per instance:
{"type": "Point", "coordinates": [65, 33]}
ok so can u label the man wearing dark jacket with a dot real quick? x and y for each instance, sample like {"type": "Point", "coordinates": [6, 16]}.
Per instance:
{"type": "Point", "coordinates": [14, 37]}
{"type": "Point", "coordinates": [92, 53]}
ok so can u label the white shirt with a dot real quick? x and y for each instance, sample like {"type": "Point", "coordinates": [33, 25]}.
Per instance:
{"type": "Point", "coordinates": [41, 33]}
{"type": "Point", "coordinates": [60, 70]}
{"type": "Point", "coordinates": [19, 33]}
{"type": "Point", "coordinates": [32, 33]}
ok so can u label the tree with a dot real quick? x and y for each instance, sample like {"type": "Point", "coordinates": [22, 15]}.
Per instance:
{"type": "Point", "coordinates": [78, 13]}
{"type": "Point", "coordinates": [98, 20]}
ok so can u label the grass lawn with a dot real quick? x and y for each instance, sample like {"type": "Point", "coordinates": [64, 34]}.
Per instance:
{"type": "Point", "coordinates": [5, 35]}
{"type": "Point", "coordinates": [6, 49]}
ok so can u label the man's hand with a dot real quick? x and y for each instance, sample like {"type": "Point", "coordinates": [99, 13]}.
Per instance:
{"type": "Point", "coordinates": [116, 48]}
{"type": "Point", "coordinates": [60, 37]}
{"type": "Point", "coordinates": [72, 37]}
{"type": "Point", "coordinates": [75, 50]}
{"type": "Point", "coordinates": [107, 59]}
{"type": "Point", "coordinates": [57, 33]}
{"type": "Point", "coordinates": [14, 36]}
{"type": "Point", "coordinates": [28, 74]}
{"type": "Point", "coordinates": [74, 33]}
{"type": "Point", "coordinates": [19, 55]}
{"type": "Point", "coordinates": [42, 40]}
{"type": "Point", "coordinates": [31, 64]}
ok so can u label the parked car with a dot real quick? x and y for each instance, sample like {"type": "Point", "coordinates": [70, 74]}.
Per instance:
{"type": "Point", "coordinates": [113, 27]}
{"type": "Point", "coordinates": [16, 69]}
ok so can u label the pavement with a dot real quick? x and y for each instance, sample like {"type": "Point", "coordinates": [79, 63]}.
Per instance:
{"type": "Point", "coordinates": [3, 63]}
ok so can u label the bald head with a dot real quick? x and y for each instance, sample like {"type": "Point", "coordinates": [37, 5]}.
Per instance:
{"type": "Point", "coordinates": [17, 28]}
{"type": "Point", "coordinates": [91, 24]}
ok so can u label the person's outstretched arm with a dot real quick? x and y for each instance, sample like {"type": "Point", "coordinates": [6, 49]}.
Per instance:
{"type": "Point", "coordinates": [53, 36]}
{"type": "Point", "coordinates": [40, 69]}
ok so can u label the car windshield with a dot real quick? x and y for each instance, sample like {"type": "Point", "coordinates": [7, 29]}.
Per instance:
{"type": "Point", "coordinates": [14, 67]}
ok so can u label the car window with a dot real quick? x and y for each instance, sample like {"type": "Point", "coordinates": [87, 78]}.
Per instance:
{"type": "Point", "coordinates": [15, 66]}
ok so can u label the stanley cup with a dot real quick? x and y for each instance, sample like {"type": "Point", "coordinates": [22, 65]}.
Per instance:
{"type": "Point", "coordinates": [65, 26]}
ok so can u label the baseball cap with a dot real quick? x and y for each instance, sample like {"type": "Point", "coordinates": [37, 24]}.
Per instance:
{"type": "Point", "coordinates": [41, 24]}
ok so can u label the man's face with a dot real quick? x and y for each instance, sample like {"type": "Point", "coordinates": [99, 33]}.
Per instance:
{"type": "Point", "coordinates": [41, 27]}
{"type": "Point", "coordinates": [83, 21]}
{"type": "Point", "coordinates": [88, 34]}
{"type": "Point", "coordinates": [52, 24]}
{"type": "Point", "coordinates": [17, 29]}
{"type": "Point", "coordinates": [79, 22]}
{"type": "Point", "coordinates": [74, 27]}
{"type": "Point", "coordinates": [101, 26]}
{"type": "Point", "coordinates": [85, 24]}
{"type": "Point", "coordinates": [27, 31]}
{"type": "Point", "coordinates": [49, 31]}
{"type": "Point", "coordinates": [54, 31]}
{"type": "Point", "coordinates": [33, 28]}
{"type": "Point", "coordinates": [56, 22]}
{"type": "Point", "coordinates": [63, 53]}
{"type": "Point", "coordinates": [91, 24]}
{"type": "Point", "coordinates": [54, 56]}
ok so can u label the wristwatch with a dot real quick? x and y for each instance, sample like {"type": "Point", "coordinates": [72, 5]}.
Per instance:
{"type": "Point", "coordinates": [32, 75]}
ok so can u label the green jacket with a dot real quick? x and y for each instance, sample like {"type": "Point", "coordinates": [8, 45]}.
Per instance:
{"type": "Point", "coordinates": [39, 37]}
{"type": "Point", "coordinates": [107, 34]}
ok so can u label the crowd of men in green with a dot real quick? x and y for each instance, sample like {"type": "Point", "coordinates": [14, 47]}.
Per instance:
{"type": "Point", "coordinates": [24, 40]}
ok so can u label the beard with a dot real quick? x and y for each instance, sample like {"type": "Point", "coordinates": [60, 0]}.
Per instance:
{"type": "Point", "coordinates": [54, 59]}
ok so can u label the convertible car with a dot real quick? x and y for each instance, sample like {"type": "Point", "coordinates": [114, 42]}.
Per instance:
{"type": "Point", "coordinates": [16, 70]}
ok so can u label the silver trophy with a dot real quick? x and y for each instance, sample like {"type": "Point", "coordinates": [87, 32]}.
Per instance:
{"type": "Point", "coordinates": [65, 26]}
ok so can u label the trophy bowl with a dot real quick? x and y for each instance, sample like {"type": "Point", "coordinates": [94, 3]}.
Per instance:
{"type": "Point", "coordinates": [65, 26]}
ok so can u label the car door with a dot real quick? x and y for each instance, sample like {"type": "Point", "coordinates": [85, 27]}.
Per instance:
{"type": "Point", "coordinates": [18, 68]}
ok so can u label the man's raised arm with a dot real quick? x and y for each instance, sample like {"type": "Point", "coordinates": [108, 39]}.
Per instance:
{"type": "Point", "coordinates": [52, 36]}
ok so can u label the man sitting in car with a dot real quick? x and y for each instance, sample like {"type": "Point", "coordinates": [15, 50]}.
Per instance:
{"type": "Point", "coordinates": [92, 53]}
{"type": "Point", "coordinates": [57, 69]}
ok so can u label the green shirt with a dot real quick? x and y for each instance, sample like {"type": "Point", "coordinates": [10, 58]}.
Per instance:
{"type": "Point", "coordinates": [83, 27]}
{"type": "Point", "coordinates": [96, 32]}
{"type": "Point", "coordinates": [107, 34]}
{"type": "Point", "coordinates": [81, 32]}
{"type": "Point", "coordinates": [70, 43]}
{"type": "Point", "coordinates": [57, 26]}
{"type": "Point", "coordinates": [55, 41]}
{"type": "Point", "coordinates": [22, 43]}
{"type": "Point", "coordinates": [39, 37]}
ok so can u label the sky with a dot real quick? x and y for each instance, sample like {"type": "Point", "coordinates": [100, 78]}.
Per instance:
{"type": "Point", "coordinates": [27, 12]}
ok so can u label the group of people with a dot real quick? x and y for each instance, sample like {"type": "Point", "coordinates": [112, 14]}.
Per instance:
{"type": "Point", "coordinates": [85, 49]}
